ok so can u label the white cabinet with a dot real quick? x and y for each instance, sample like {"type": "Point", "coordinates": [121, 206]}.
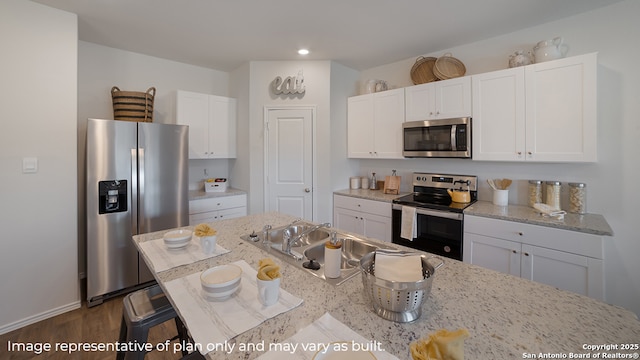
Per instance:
{"type": "Point", "coordinates": [543, 112]}
{"type": "Point", "coordinates": [217, 208]}
{"type": "Point", "coordinates": [374, 125]}
{"type": "Point", "coordinates": [439, 100]}
{"type": "Point", "coordinates": [498, 124]}
{"type": "Point", "coordinates": [362, 216]}
{"type": "Point", "coordinates": [212, 124]}
{"type": "Point", "coordinates": [568, 260]}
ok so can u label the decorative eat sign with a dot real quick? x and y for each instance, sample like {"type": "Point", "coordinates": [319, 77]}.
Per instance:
{"type": "Point", "coordinates": [289, 86]}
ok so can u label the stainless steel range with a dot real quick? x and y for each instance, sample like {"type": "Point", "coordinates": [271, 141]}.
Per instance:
{"type": "Point", "coordinates": [438, 219]}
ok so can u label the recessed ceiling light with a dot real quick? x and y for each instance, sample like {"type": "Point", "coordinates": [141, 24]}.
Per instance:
{"type": "Point", "coordinates": [303, 51]}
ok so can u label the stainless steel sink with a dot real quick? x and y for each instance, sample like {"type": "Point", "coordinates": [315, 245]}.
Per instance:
{"type": "Point", "coordinates": [352, 251]}
{"type": "Point", "coordinates": [311, 247]}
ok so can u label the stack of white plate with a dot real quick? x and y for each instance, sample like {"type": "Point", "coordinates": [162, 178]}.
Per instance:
{"type": "Point", "coordinates": [177, 239]}
{"type": "Point", "coordinates": [220, 282]}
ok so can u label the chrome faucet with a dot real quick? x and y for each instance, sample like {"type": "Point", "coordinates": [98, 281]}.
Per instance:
{"type": "Point", "coordinates": [288, 240]}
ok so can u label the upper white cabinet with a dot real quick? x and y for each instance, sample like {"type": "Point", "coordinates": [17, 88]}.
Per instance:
{"type": "Point", "coordinates": [439, 100]}
{"type": "Point", "coordinates": [542, 112]}
{"type": "Point", "coordinates": [374, 125]}
{"type": "Point", "coordinates": [498, 124]}
{"type": "Point", "coordinates": [212, 124]}
{"type": "Point", "coordinates": [565, 259]}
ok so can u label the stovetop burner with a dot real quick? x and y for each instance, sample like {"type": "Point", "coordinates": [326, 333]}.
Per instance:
{"type": "Point", "coordinates": [430, 191]}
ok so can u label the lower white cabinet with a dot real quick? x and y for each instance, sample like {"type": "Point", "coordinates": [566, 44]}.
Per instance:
{"type": "Point", "coordinates": [564, 259]}
{"type": "Point", "coordinates": [362, 216]}
{"type": "Point", "coordinates": [218, 208]}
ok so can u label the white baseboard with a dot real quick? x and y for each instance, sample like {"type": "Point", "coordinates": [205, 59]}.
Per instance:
{"type": "Point", "coordinates": [39, 317]}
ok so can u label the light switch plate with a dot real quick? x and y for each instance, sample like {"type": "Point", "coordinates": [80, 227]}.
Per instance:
{"type": "Point", "coordinates": [29, 165]}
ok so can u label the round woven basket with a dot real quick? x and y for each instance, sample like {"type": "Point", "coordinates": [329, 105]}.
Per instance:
{"type": "Point", "coordinates": [448, 67]}
{"type": "Point", "coordinates": [422, 70]}
{"type": "Point", "coordinates": [133, 105]}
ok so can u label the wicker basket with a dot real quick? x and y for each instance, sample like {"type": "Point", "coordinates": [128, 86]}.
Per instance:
{"type": "Point", "coordinates": [448, 67]}
{"type": "Point", "coordinates": [133, 105]}
{"type": "Point", "coordinates": [422, 70]}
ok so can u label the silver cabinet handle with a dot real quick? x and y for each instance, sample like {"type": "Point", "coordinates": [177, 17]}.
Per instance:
{"type": "Point", "coordinates": [307, 190]}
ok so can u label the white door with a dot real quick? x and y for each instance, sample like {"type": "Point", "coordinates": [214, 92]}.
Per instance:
{"type": "Point", "coordinates": [289, 161]}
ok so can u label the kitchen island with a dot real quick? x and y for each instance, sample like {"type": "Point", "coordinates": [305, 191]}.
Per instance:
{"type": "Point", "coordinates": [507, 317]}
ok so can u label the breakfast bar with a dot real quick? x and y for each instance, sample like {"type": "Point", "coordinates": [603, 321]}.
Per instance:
{"type": "Point", "coordinates": [507, 317]}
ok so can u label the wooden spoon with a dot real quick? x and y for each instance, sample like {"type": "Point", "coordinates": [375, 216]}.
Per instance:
{"type": "Point", "coordinates": [506, 183]}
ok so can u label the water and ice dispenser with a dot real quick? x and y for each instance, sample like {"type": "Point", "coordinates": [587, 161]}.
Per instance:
{"type": "Point", "coordinates": [112, 196]}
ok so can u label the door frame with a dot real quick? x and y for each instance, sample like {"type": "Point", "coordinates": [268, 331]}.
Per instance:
{"type": "Point", "coordinates": [314, 165]}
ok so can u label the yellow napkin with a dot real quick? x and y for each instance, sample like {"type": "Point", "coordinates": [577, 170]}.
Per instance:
{"type": "Point", "coordinates": [441, 345]}
{"type": "Point", "coordinates": [204, 230]}
{"type": "Point", "coordinates": [268, 270]}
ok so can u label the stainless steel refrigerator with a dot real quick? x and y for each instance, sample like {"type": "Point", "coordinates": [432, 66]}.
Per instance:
{"type": "Point", "coordinates": [137, 182]}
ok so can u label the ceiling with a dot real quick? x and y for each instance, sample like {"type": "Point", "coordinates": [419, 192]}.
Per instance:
{"type": "Point", "coordinates": [360, 34]}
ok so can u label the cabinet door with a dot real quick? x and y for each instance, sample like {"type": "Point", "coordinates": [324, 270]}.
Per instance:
{"type": "Point", "coordinates": [420, 102]}
{"type": "Point", "coordinates": [360, 126]}
{"type": "Point", "coordinates": [222, 125]}
{"type": "Point", "coordinates": [387, 126]}
{"type": "Point", "coordinates": [453, 98]}
{"type": "Point", "coordinates": [348, 220]}
{"type": "Point", "coordinates": [566, 271]}
{"type": "Point", "coordinates": [232, 213]}
{"type": "Point", "coordinates": [492, 253]}
{"type": "Point", "coordinates": [376, 226]}
{"type": "Point", "coordinates": [205, 217]}
{"type": "Point", "coordinates": [561, 110]}
{"type": "Point", "coordinates": [498, 125]}
{"type": "Point", "coordinates": [192, 109]}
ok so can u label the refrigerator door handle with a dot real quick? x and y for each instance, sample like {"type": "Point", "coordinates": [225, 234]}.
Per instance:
{"type": "Point", "coordinates": [134, 191]}
{"type": "Point", "coordinates": [142, 227]}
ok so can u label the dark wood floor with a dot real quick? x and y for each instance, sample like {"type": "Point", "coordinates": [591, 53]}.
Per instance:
{"type": "Point", "coordinates": [99, 324]}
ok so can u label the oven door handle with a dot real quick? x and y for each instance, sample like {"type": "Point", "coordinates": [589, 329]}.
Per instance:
{"type": "Point", "coordinates": [435, 213]}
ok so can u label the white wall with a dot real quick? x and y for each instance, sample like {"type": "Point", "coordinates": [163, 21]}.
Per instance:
{"type": "Point", "coordinates": [612, 182]}
{"type": "Point", "coordinates": [38, 107]}
{"type": "Point", "coordinates": [253, 89]}
{"type": "Point", "coordinates": [100, 68]}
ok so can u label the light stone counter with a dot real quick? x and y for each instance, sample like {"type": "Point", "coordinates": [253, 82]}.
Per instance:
{"type": "Point", "coordinates": [587, 223]}
{"type": "Point", "coordinates": [377, 195]}
{"type": "Point", "coordinates": [201, 194]}
{"type": "Point", "coordinates": [506, 316]}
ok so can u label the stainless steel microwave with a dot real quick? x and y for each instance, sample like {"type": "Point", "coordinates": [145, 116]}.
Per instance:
{"type": "Point", "coordinates": [444, 138]}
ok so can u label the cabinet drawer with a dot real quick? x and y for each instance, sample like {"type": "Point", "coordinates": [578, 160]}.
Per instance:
{"type": "Point", "coordinates": [217, 203]}
{"type": "Point", "coordinates": [363, 205]}
{"type": "Point", "coordinates": [559, 239]}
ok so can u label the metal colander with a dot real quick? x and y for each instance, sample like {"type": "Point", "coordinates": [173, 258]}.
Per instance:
{"type": "Point", "coordinates": [394, 300]}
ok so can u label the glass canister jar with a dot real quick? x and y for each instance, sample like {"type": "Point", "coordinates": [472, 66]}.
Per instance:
{"type": "Point", "coordinates": [535, 192]}
{"type": "Point", "coordinates": [578, 198]}
{"type": "Point", "coordinates": [552, 189]}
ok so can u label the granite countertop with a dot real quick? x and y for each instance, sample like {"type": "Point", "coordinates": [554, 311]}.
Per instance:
{"type": "Point", "coordinates": [377, 195]}
{"type": "Point", "coordinates": [587, 223]}
{"type": "Point", "coordinates": [506, 316]}
{"type": "Point", "coordinates": [201, 194]}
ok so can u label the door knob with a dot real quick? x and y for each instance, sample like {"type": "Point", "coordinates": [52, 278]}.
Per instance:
{"type": "Point", "coordinates": [307, 190]}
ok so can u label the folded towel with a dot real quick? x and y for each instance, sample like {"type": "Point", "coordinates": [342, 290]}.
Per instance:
{"type": "Point", "coordinates": [441, 345]}
{"type": "Point", "coordinates": [408, 226]}
{"type": "Point", "coordinates": [398, 266]}
{"type": "Point", "coordinates": [547, 210]}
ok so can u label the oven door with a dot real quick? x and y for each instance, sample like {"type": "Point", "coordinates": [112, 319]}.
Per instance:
{"type": "Point", "coordinates": [437, 138]}
{"type": "Point", "coordinates": [438, 232]}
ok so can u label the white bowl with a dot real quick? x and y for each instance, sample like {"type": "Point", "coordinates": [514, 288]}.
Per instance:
{"type": "Point", "coordinates": [177, 238]}
{"type": "Point", "coordinates": [220, 282]}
